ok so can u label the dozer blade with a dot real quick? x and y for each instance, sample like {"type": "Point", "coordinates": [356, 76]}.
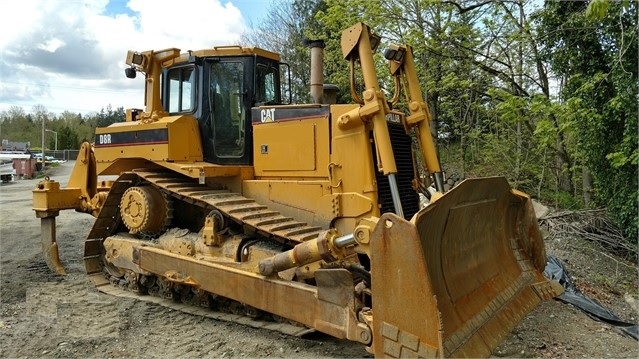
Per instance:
{"type": "Point", "coordinates": [50, 246]}
{"type": "Point", "coordinates": [457, 278]}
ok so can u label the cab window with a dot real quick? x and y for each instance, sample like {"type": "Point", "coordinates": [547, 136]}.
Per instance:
{"type": "Point", "coordinates": [267, 89]}
{"type": "Point", "coordinates": [181, 89]}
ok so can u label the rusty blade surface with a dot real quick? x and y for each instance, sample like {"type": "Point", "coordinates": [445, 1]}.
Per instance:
{"type": "Point", "coordinates": [460, 276]}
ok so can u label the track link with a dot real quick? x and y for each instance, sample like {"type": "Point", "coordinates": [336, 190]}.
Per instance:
{"type": "Point", "coordinates": [261, 219]}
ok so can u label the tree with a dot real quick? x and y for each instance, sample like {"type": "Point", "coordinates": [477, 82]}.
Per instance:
{"type": "Point", "coordinates": [78, 128]}
{"type": "Point", "coordinates": [67, 138]}
{"type": "Point", "coordinates": [110, 116]}
{"type": "Point", "coordinates": [19, 126]}
{"type": "Point", "coordinates": [596, 57]}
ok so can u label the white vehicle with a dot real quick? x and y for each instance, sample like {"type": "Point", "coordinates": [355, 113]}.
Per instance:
{"type": "Point", "coordinates": [47, 159]}
{"type": "Point", "coordinates": [6, 170]}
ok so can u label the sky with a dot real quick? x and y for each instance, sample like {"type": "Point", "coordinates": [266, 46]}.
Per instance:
{"type": "Point", "coordinates": [68, 55]}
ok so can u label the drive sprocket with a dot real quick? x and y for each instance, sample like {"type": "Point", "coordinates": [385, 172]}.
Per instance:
{"type": "Point", "coordinates": [144, 210]}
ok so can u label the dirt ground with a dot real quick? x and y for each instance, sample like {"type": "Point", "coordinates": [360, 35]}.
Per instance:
{"type": "Point", "coordinates": [45, 315]}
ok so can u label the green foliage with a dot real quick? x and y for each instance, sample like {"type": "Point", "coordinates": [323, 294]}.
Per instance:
{"type": "Point", "coordinates": [331, 21]}
{"type": "Point", "coordinates": [67, 138]}
{"type": "Point", "coordinates": [72, 129]}
{"type": "Point", "coordinates": [110, 116]}
{"type": "Point", "coordinates": [563, 200]}
{"type": "Point", "coordinates": [597, 9]}
{"type": "Point", "coordinates": [594, 50]}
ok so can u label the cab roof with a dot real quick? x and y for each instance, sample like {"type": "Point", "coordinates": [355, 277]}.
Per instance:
{"type": "Point", "coordinates": [224, 51]}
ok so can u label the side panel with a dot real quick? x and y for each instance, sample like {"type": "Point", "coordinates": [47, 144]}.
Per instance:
{"type": "Point", "coordinates": [184, 140]}
{"type": "Point", "coordinates": [173, 139]}
{"type": "Point", "coordinates": [286, 147]}
{"type": "Point", "coordinates": [307, 201]}
{"type": "Point", "coordinates": [291, 142]}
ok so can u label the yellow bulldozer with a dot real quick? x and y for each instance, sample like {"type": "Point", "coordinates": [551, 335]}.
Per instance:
{"type": "Point", "coordinates": [303, 217]}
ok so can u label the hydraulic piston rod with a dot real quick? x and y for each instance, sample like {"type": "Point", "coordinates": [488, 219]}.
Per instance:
{"type": "Point", "coordinates": [326, 247]}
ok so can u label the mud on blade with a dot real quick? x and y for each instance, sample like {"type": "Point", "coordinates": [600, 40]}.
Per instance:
{"type": "Point", "coordinates": [458, 278]}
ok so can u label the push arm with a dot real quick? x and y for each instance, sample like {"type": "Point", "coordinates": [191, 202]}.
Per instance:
{"type": "Point", "coordinates": [358, 44]}
{"type": "Point", "coordinates": [402, 65]}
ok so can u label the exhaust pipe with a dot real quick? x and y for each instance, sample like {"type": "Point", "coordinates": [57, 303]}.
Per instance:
{"type": "Point", "coordinates": [317, 70]}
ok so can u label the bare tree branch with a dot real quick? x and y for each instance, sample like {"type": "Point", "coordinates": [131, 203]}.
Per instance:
{"type": "Point", "coordinates": [466, 9]}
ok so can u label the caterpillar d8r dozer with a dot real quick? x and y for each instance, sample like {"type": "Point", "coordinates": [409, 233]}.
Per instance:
{"type": "Point", "coordinates": [306, 216]}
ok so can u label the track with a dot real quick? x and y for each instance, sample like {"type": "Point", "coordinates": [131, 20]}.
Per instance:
{"type": "Point", "coordinates": [255, 218]}
{"type": "Point", "coordinates": [261, 219]}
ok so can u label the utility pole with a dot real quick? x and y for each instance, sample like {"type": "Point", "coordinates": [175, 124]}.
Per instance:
{"type": "Point", "coordinates": [56, 138]}
{"type": "Point", "coordinates": [43, 118]}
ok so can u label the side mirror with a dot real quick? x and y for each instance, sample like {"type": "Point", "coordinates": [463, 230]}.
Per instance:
{"type": "Point", "coordinates": [130, 72]}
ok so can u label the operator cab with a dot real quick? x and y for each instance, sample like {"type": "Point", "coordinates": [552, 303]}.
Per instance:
{"type": "Point", "coordinates": [219, 87]}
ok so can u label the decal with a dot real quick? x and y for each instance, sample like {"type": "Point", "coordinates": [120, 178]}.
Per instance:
{"type": "Point", "coordinates": [267, 115]}
{"type": "Point", "coordinates": [104, 139]}
{"type": "Point", "coordinates": [260, 115]}
{"type": "Point", "coordinates": [394, 117]}
{"type": "Point", "coordinates": [133, 138]}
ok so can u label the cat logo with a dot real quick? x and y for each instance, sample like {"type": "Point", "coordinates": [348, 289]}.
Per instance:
{"type": "Point", "coordinates": [394, 117]}
{"type": "Point", "coordinates": [267, 115]}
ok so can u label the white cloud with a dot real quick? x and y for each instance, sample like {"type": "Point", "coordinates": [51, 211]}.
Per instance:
{"type": "Point", "coordinates": [51, 45]}
{"type": "Point", "coordinates": [69, 54]}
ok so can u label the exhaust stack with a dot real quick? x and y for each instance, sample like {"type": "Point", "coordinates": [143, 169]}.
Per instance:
{"type": "Point", "coordinates": [317, 70]}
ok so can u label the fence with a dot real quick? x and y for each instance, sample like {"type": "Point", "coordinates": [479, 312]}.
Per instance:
{"type": "Point", "coordinates": [67, 155]}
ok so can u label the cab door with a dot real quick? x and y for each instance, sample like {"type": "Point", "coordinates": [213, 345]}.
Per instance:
{"type": "Point", "coordinates": [227, 98]}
